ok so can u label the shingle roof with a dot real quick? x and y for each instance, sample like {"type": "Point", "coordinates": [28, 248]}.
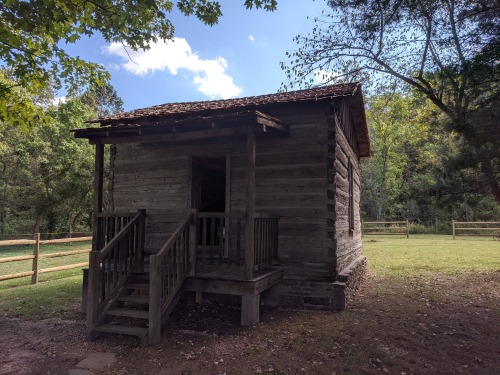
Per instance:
{"type": "Point", "coordinates": [326, 92]}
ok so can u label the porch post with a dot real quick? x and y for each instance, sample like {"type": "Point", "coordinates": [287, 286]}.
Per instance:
{"type": "Point", "coordinates": [250, 205]}
{"type": "Point", "coordinates": [94, 261]}
{"type": "Point", "coordinates": [98, 187]}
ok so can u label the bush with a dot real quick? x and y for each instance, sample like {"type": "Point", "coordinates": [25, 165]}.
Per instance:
{"type": "Point", "coordinates": [438, 228]}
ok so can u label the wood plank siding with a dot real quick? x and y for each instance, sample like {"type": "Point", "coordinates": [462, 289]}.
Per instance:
{"type": "Point", "coordinates": [346, 242]}
{"type": "Point", "coordinates": [290, 182]}
{"type": "Point", "coordinates": [294, 156]}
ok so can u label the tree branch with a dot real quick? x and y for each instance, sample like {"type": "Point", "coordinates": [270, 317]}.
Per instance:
{"type": "Point", "coordinates": [10, 87]}
{"type": "Point", "coordinates": [426, 48]}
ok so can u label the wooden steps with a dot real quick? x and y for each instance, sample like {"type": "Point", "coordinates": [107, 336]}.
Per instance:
{"type": "Point", "coordinates": [130, 314]}
{"type": "Point", "coordinates": [138, 286]}
{"type": "Point", "coordinates": [140, 314]}
{"type": "Point", "coordinates": [137, 299]}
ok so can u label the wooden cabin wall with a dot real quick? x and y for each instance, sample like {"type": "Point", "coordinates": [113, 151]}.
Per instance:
{"type": "Point", "coordinates": [290, 182]}
{"type": "Point", "coordinates": [155, 176]}
{"type": "Point", "coordinates": [347, 243]}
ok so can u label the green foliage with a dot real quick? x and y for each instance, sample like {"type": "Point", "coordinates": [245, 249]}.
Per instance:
{"type": "Point", "coordinates": [15, 103]}
{"type": "Point", "coordinates": [412, 173]}
{"type": "Point", "coordinates": [394, 128]}
{"type": "Point", "coordinates": [269, 5]}
{"type": "Point", "coordinates": [449, 51]}
{"type": "Point", "coordinates": [33, 34]}
{"type": "Point", "coordinates": [47, 174]}
{"type": "Point", "coordinates": [442, 227]}
{"type": "Point", "coordinates": [103, 99]}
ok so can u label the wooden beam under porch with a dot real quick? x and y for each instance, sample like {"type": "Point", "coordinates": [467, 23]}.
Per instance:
{"type": "Point", "coordinates": [233, 281]}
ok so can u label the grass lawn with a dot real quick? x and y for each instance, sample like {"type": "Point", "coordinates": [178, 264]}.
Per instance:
{"type": "Point", "coordinates": [55, 293]}
{"type": "Point", "coordinates": [398, 256]}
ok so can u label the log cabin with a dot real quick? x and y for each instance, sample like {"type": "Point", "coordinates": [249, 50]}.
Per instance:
{"type": "Point", "coordinates": [256, 197]}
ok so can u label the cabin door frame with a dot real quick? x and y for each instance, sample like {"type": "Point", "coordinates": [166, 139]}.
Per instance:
{"type": "Point", "coordinates": [193, 182]}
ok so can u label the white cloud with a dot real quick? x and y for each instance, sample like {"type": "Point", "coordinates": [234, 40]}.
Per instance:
{"type": "Point", "coordinates": [59, 100]}
{"type": "Point", "coordinates": [252, 38]}
{"type": "Point", "coordinates": [209, 75]}
{"type": "Point", "coordinates": [322, 76]}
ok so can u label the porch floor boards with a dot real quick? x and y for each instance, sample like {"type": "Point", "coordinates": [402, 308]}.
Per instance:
{"type": "Point", "coordinates": [231, 280]}
{"type": "Point", "coordinates": [227, 272]}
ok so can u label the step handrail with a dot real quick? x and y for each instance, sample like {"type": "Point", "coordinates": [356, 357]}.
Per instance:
{"type": "Point", "coordinates": [174, 237]}
{"type": "Point", "coordinates": [112, 266]}
{"type": "Point", "coordinates": [167, 271]}
{"type": "Point", "coordinates": [114, 241]}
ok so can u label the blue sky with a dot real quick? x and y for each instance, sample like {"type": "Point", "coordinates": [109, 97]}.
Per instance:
{"type": "Point", "coordinates": [237, 57]}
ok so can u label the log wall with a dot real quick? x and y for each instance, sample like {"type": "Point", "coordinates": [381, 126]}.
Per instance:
{"type": "Point", "coordinates": [155, 176]}
{"type": "Point", "coordinates": [290, 183]}
{"type": "Point", "coordinates": [341, 246]}
{"type": "Point", "coordinates": [345, 241]}
{"type": "Point", "coordinates": [301, 177]}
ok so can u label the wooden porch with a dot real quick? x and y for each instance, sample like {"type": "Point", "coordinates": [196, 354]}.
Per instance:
{"type": "Point", "coordinates": [204, 255]}
{"type": "Point", "coordinates": [224, 252]}
{"type": "Point", "coordinates": [231, 280]}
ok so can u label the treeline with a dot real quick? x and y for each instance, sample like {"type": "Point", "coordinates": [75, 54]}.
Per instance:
{"type": "Point", "coordinates": [420, 170]}
{"type": "Point", "coordinates": [436, 137]}
{"type": "Point", "coordinates": [46, 175]}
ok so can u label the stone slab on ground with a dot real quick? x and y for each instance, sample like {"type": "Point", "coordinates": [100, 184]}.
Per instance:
{"type": "Point", "coordinates": [97, 361]}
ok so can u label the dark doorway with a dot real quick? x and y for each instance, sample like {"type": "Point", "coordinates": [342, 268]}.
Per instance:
{"type": "Point", "coordinates": [209, 195]}
{"type": "Point", "coordinates": [209, 184]}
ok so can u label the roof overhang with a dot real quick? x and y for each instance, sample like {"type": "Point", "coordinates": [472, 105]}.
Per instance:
{"type": "Point", "coordinates": [185, 128]}
{"type": "Point", "coordinates": [361, 135]}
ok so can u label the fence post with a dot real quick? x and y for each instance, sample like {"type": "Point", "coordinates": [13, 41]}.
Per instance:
{"type": "Point", "coordinates": [453, 228]}
{"type": "Point", "coordinates": [407, 229]}
{"type": "Point", "coordinates": [36, 254]}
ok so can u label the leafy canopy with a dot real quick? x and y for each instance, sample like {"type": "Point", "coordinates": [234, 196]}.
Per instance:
{"type": "Point", "coordinates": [33, 35]}
{"type": "Point", "coordinates": [46, 173]}
{"type": "Point", "coordinates": [399, 130]}
{"type": "Point", "coordinates": [449, 50]}
{"type": "Point", "coordinates": [15, 103]}
{"type": "Point", "coordinates": [440, 47]}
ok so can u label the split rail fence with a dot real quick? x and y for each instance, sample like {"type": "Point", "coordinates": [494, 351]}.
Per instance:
{"type": "Point", "coordinates": [475, 228]}
{"type": "Point", "coordinates": [36, 256]}
{"type": "Point", "coordinates": [386, 228]}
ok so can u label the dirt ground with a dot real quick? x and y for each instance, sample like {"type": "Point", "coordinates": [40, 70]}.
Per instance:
{"type": "Point", "coordinates": [418, 325]}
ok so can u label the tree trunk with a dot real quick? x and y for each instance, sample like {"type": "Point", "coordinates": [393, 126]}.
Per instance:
{"type": "Point", "coordinates": [38, 223]}
{"type": "Point", "coordinates": [494, 184]}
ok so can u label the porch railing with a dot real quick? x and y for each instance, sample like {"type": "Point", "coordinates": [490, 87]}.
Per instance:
{"type": "Point", "coordinates": [266, 240]}
{"type": "Point", "coordinates": [118, 252]}
{"type": "Point", "coordinates": [167, 271]}
{"type": "Point", "coordinates": [109, 225]}
{"type": "Point", "coordinates": [221, 239]}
